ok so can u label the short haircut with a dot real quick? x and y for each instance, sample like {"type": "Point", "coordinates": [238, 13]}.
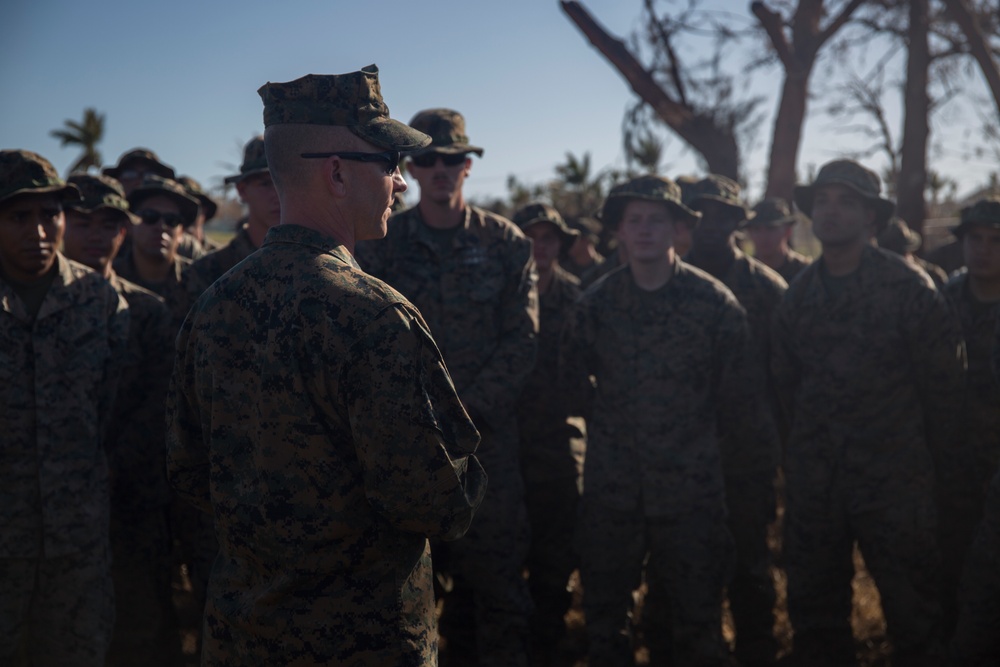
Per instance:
{"type": "Point", "coordinates": [285, 143]}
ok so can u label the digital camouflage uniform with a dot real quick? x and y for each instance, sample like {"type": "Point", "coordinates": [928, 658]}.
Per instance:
{"type": "Point", "coordinates": [673, 378]}
{"type": "Point", "coordinates": [872, 379]}
{"type": "Point", "coordinates": [750, 492]}
{"type": "Point", "coordinates": [205, 271]}
{"type": "Point", "coordinates": [480, 301]}
{"type": "Point", "coordinates": [145, 631]}
{"type": "Point", "coordinates": [552, 449]}
{"type": "Point", "coordinates": [59, 364]}
{"type": "Point", "coordinates": [311, 412]}
{"type": "Point", "coordinates": [479, 297]}
{"type": "Point", "coordinates": [977, 642]}
{"type": "Point", "coordinates": [59, 373]}
{"type": "Point", "coordinates": [897, 237]}
{"type": "Point", "coordinates": [981, 415]}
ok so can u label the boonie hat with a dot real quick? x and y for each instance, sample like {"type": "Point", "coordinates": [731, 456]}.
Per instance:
{"type": "Point", "coordinates": [772, 212]}
{"type": "Point", "coordinates": [719, 189]}
{"type": "Point", "coordinates": [648, 188]}
{"type": "Point", "coordinates": [254, 161]}
{"type": "Point", "coordinates": [352, 100]}
{"type": "Point", "coordinates": [446, 128]}
{"type": "Point", "coordinates": [984, 213]}
{"type": "Point", "coordinates": [24, 172]}
{"type": "Point", "coordinates": [193, 188]}
{"type": "Point", "coordinates": [538, 212]}
{"type": "Point", "coordinates": [850, 174]}
{"type": "Point", "coordinates": [898, 237]}
{"type": "Point", "coordinates": [101, 192]}
{"type": "Point", "coordinates": [140, 155]}
{"type": "Point", "coordinates": [154, 185]}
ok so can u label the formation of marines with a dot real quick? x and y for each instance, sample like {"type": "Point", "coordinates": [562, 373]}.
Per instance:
{"type": "Point", "coordinates": [361, 431]}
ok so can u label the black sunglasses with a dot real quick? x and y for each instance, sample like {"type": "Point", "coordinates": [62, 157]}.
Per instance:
{"type": "Point", "coordinates": [429, 159]}
{"type": "Point", "coordinates": [151, 217]}
{"type": "Point", "coordinates": [391, 158]}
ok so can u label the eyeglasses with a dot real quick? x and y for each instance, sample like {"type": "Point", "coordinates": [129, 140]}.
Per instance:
{"type": "Point", "coordinates": [391, 158]}
{"type": "Point", "coordinates": [151, 217]}
{"type": "Point", "coordinates": [430, 159]}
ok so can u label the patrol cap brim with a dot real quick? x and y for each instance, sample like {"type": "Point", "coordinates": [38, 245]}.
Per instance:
{"type": "Point", "coordinates": [391, 134]}
{"type": "Point", "coordinates": [236, 178]}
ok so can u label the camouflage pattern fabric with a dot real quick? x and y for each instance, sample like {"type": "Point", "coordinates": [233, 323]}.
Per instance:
{"type": "Point", "coordinates": [981, 455]}
{"type": "Point", "coordinates": [976, 642]}
{"type": "Point", "coordinates": [480, 300]}
{"type": "Point", "coordinates": [254, 160]}
{"type": "Point", "coordinates": [673, 379]}
{"type": "Point", "coordinates": [171, 290]}
{"type": "Point", "coordinates": [794, 264]}
{"type": "Point", "coordinates": [205, 271]}
{"type": "Point", "coordinates": [59, 374]}
{"type": "Point", "coordinates": [853, 175]}
{"type": "Point", "coordinates": [311, 412]}
{"type": "Point", "coordinates": [140, 155]}
{"type": "Point", "coordinates": [446, 128]}
{"type": "Point", "coordinates": [57, 611]}
{"type": "Point", "coordinates": [552, 447]}
{"type": "Point", "coordinates": [190, 247]}
{"type": "Point", "coordinates": [352, 100]}
{"type": "Point", "coordinates": [872, 377]}
{"type": "Point", "coordinates": [23, 171]}
{"type": "Point", "coordinates": [146, 630]}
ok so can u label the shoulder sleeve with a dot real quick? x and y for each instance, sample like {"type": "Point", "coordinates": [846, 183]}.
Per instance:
{"type": "Point", "coordinates": [413, 438]}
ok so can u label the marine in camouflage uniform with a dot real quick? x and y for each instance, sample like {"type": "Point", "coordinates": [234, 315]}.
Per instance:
{"type": "Point", "coordinates": [897, 237]}
{"type": "Point", "coordinates": [62, 336]}
{"type": "Point", "coordinates": [311, 411]}
{"type": "Point", "coordinates": [669, 347]}
{"type": "Point", "coordinates": [750, 492]}
{"type": "Point", "coordinates": [146, 631]}
{"type": "Point", "coordinates": [552, 442]}
{"type": "Point", "coordinates": [975, 295]}
{"type": "Point", "coordinates": [770, 228]}
{"type": "Point", "coordinates": [194, 244]}
{"type": "Point", "coordinates": [869, 363]}
{"type": "Point", "coordinates": [582, 256]}
{"type": "Point", "coordinates": [164, 207]}
{"type": "Point", "coordinates": [471, 274]}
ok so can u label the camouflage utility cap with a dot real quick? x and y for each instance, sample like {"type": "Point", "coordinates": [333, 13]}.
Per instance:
{"type": "Point", "coordinates": [850, 174]}
{"type": "Point", "coordinates": [100, 192]}
{"type": "Point", "coordinates": [984, 213]}
{"type": "Point", "coordinates": [899, 238]}
{"type": "Point", "coordinates": [143, 155]}
{"type": "Point", "coordinates": [352, 100]}
{"type": "Point", "coordinates": [154, 185]}
{"type": "Point", "coordinates": [446, 128]}
{"type": "Point", "coordinates": [193, 187]}
{"type": "Point", "coordinates": [648, 188]}
{"type": "Point", "coordinates": [716, 188]}
{"type": "Point", "coordinates": [772, 212]}
{"type": "Point", "coordinates": [24, 172]}
{"type": "Point", "coordinates": [535, 213]}
{"type": "Point", "coordinates": [254, 160]}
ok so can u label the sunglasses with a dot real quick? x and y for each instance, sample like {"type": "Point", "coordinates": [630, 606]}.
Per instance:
{"type": "Point", "coordinates": [430, 159]}
{"type": "Point", "coordinates": [391, 158]}
{"type": "Point", "coordinates": [151, 217]}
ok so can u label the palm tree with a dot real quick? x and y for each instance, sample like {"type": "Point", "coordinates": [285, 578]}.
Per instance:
{"type": "Point", "coordinates": [86, 134]}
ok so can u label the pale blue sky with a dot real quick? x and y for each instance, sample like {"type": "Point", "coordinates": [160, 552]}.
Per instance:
{"type": "Point", "coordinates": [181, 78]}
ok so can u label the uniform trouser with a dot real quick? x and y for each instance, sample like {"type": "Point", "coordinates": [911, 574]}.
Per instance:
{"type": "Point", "coordinates": [552, 507]}
{"type": "Point", "coordinates": [489, 559]}
{"type": "Point", "coordinates": [750, 499]}
{"type": "Point", "coordinates": [56, 611]}
{"type": "Point", "coordinates": [900, 550]}
{"type": "Point", "coordinates": [145, 631]}
{"type": "Point", "coordinates": [977, 634]}
{"type": "Point", "coordinates": [692, 552]}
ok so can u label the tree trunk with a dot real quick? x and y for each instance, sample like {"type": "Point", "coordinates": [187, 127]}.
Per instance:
{"type": "Point", "coordinates": [912, 179]}
{"type": "Point", "coordinates": [787, 136]}
{"type": "Point", "coordinates": [717, 145]}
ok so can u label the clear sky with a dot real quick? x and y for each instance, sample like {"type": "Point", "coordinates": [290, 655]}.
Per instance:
{"type": "Point", "coordinates": [181, 78]}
